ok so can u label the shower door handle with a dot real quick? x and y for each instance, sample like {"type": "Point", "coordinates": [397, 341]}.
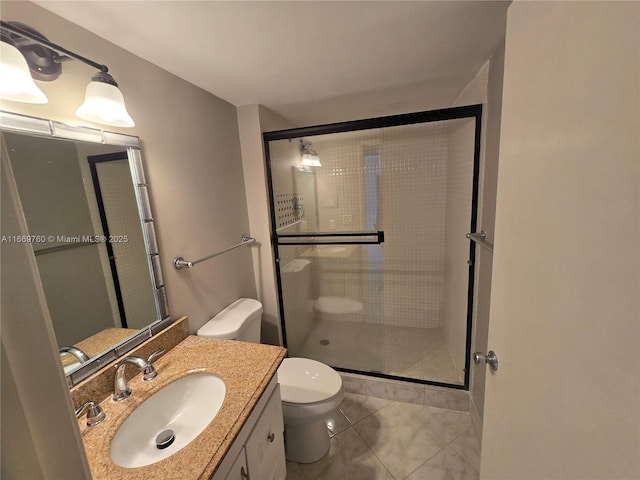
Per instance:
{"type": "Point", "coordinates": [490, 358]}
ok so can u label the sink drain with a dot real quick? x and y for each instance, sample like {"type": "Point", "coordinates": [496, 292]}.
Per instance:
{"type": "Point", "coordinates": [164, 439]}
{"type": "Point", "coordinates": [324, 341]}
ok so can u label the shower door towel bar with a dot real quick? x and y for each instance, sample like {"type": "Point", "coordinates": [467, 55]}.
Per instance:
{"type": "Point", "coordinates": [179, 263]}
{"type": "Point", "coordinates": [333, 238]}
{"type": "Point", "coordinates": [481, 239]}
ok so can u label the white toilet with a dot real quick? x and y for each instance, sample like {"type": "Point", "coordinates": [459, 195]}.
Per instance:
{"type": "Point", "coordinates": [309, 389]}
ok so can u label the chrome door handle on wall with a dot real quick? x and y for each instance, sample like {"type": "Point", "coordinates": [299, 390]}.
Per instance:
{"type": "Point", "coordinates": [490, 358]}
{"type": "Point", "coordinates": [481, 239]}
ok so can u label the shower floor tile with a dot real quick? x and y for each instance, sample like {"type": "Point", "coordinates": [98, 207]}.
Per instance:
{"type": "Point", "coordinates": [410, 352]}
{"type": "Point", "coordinates": [381, 439]}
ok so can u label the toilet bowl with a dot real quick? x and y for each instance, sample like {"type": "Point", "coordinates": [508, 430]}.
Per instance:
{"type": "Point", "coordinates": [309, 389]}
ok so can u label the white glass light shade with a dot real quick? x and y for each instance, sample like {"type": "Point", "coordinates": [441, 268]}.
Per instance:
{"type": "Point", "coordinates": [15, 80]}
{"type": "Point", "coordinates": [104, 103]}
{"type": "Point", "coordinates": [310, 160]}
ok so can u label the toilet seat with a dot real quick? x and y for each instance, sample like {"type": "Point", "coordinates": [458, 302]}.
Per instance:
{"type": "Point", "coordinates": [305, 382]}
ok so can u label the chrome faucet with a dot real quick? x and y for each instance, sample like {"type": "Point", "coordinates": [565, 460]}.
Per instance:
{"type": "Point", "coordinates": [121, 389]}
{"type": "Point", "coordinates": [76, 352]}
{"type": "Point", "coordinates": [95, 414]}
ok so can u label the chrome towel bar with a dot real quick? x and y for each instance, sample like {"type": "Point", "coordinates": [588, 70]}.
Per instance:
{"type": "Point", "coordinates": [481, 239]}
{"type": "Point", "coordinates": [179, 263]}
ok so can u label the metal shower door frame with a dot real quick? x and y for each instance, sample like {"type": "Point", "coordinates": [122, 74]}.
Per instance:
{"type": "Point", "coordinates": [454, 113]}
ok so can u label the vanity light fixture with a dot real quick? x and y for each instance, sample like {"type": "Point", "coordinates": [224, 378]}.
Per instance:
{"type": "Point", "coordinates": [104, 103]}
{"type": "Point", "coordinates": [15, 80]}
{"type": "Point", "coordinates": [308, 156]}
{"type": "Point", "coordinates": [26, 54]}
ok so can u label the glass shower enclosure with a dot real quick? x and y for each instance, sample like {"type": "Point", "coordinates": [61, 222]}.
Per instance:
{"type": "Point", "coordinates": [369, 220]}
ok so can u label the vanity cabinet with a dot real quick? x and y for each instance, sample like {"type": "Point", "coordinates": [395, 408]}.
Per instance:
{"type": "Point", "coordinates": [258, 451]}
{"type": "Point", "coordinates": [239, 470]}
{"type": "Point", "coordinates": [265, 446]}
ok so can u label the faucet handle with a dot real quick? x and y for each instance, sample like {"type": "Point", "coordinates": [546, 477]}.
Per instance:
{"type": "Point", "coordinates": [155, 355]}
{"type": "Point", "coordinates": [95, 414]}
{"type": "Point", "coordinates": [149, 372]}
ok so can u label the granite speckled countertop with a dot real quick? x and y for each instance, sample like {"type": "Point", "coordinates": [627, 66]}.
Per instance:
{"type": "Point", "coordinates": [245, 368]}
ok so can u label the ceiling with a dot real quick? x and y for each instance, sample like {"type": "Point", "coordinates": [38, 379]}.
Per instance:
{"type": "Point", "coordinates": [312, 62]}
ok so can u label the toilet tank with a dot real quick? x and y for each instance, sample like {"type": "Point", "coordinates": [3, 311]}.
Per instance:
{"type": "Point", "coordinates": [238, 321]}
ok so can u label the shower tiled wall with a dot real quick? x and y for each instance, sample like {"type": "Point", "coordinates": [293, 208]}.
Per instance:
{"type": "Point", "coordinates": [392, 180]}
{"type": "Point", "coordinates": [413, 185]}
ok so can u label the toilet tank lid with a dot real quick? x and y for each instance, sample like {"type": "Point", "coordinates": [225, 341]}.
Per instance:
{"type": "Point", "coordinates": [229, 322]}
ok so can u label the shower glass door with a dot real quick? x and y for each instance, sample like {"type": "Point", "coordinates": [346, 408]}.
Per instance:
{"type": "Point", "coordinates": [374, 269]}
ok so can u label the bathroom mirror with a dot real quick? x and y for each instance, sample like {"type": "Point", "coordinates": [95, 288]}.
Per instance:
{"type": "Point", "coordinates": [84, 197]}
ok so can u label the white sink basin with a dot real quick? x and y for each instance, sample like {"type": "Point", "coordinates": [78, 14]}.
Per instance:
{"type": "Point", "coordinates": [185, 407]}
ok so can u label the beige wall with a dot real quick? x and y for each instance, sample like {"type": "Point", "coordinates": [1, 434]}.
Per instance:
{"type": "Point", "coordinates": [565, 306]}
{"type": "Point", "coordinates": [252, 121]}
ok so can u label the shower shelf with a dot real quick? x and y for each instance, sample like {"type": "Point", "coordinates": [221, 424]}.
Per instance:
{"type": "Point", "coordinates": [481, 239]}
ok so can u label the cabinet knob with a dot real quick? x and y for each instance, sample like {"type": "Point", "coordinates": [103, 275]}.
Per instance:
{"type": "Point", "coordinates": [244, 474]}
{"type": "Point", "coordinates": [271, 437]}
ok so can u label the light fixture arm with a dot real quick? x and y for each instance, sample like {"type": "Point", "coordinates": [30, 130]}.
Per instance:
{"type": "Point", "coordinates": [52, 46]}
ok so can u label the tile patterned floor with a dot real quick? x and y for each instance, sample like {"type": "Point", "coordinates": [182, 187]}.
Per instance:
{"type": "Point", "coordinates": [404, 351]}
{"type": "Point", "coordinates": [375, 439]}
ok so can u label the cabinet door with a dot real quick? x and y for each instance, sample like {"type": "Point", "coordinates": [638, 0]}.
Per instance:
{"type": "Point", "coordinates": [265, 446]}
{"type": "Point", "coordinates": [239, 471]}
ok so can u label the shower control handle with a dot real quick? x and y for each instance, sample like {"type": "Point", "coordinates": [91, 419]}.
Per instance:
{"type": "Point", "coordinates": [490, 358]}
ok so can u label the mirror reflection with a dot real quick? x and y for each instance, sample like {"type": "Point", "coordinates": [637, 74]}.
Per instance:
{"type": "Point", "coordinates": [306, 200]}
{"type": "Point", "coordinates": [80, 206]}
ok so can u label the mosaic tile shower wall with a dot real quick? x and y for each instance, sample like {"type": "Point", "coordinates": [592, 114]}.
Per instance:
{"type": "Point", "coordinates": [392, 180]}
